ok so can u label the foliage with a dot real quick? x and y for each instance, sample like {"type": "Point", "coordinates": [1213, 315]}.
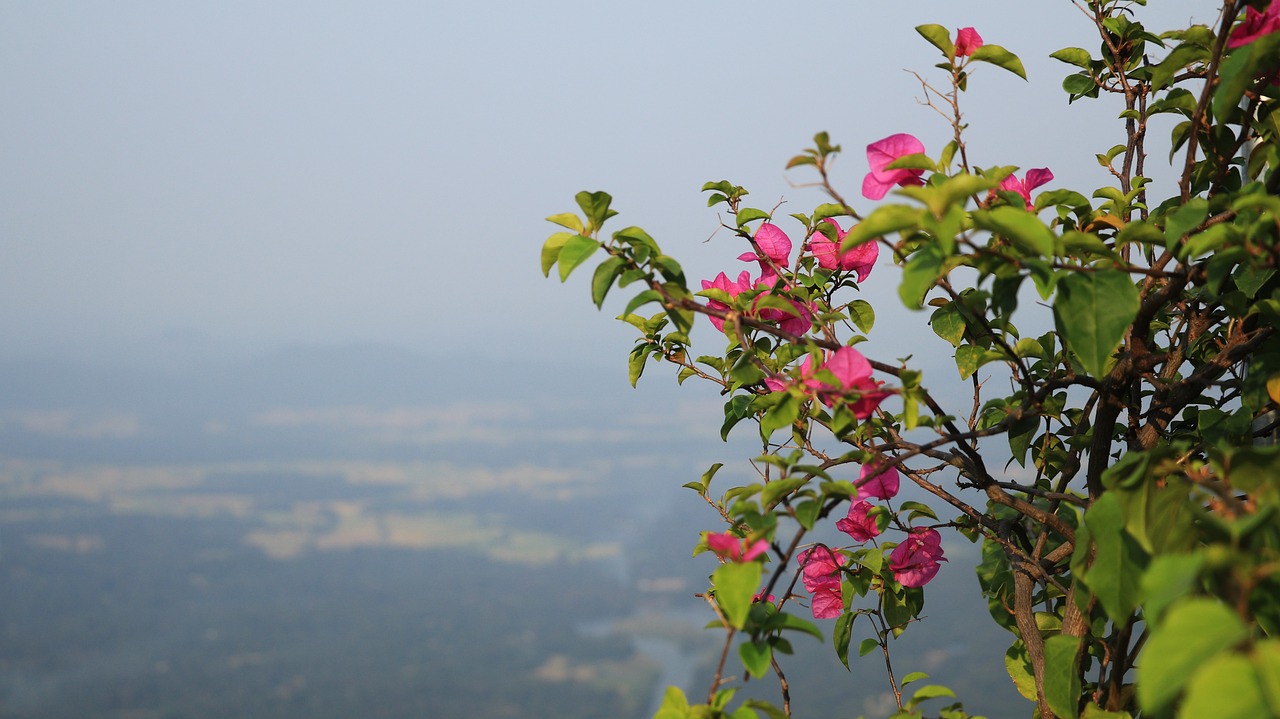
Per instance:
{"type": "Point", "coordinates": [1135, 556]}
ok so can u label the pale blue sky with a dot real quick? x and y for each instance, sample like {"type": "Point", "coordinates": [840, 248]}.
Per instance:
{"type": "Point", "coordinates": [258, 174]}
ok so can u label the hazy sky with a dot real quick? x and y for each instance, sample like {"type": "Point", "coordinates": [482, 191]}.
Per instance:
{"type": "Point", "coordinates": [250, 174]}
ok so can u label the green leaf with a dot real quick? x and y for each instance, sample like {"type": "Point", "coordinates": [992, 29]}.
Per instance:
{"type": "Point", "coordinates": [551, 251]}
{"type": "Point", "coordinates": [939, 37]}
{"type": "Point", "coordinates": [948, 323]}
{"type": "Point", "coordinates": [1020, 670]}
{"type": "Point", "coordinates": [782, 414]}
{"type": "Point", "coordinates": [1116, 572]}
{"type": "Point", "coordinates": [862, 314]}
{"type": "Point", "coordinates": [1092, 313]}
{"type": "Point", "coordinates": [602, 280]}
{"type": "Point", "coordinates": [568, 220]}
{"type": "Point", "coordinates": [755, 657]}
{"type": "Point", "coordinates": [1000, 57]}
{"type": "Point", "coordinates": [779, 488]}
{"type": "Point", "coordinates": [1266, 660]}
{"type": "Point", "coordinates": [735, 585]}
{"type": "Point", "coordinates": [674, 705]}
{"type": "Point", "coordinates": [1169, 578]}
{"type": "Point", "coordinates": [1194, 630]}
{"type": "Point", "coordinates": [1061, 680]}
{"type": "Point", "coordinates": [576, 250]}
{"type": "Point", "coordinates": [882, 221]}
{"type": "Point", "coordinates": [751, 214]}
{"type": "Point", "coordinates": [636, 362]}
{"type": "Point", "coordinates": [643, 298]}
{"type": "Point", "coordinates": [1073, 56]}
{"type": "Point", "coordinates": [1023, 229]}
{"type": "Point", "coordinates": [595, 205]}
{"type": "Point", "coordinates": [1225, 687]}
{"type": "Point", "coordinates": [792, 622]}
{"type": "Point", "coordinates": [1093, 711]}
{"type": "Point", "coordinates": [841, 635]}
{"type": "Point", "coordinates": [866, 646]}
{"type": "Point", "coordinates": [914, 677]}
{"type": "Point", "coordinates": [919, 274]}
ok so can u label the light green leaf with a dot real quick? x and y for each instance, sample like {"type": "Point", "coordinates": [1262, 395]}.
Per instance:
{"type": "Point", "coordinates": [1093, 711]}
{"type": "Point", "coordinates": [576, 250]}
{"type": "Point", "coordinates": [1022, 228]}
{"type": "Point", "coordinates": [551, 251]}
{"type": "Point", "coordinates": [1224, 687]}
{"type": "Point", "coordinates": [1169, 578]}
{"type": "Point", "coordinates": [1092, 313]}
{"type": "Point", "coordinates": [595, 205]}
{"type": "Point", "coordinates": [914, 677]}
{"type": "Point", "coordinates": [642, 299]}
{"type": "Point", "coordinates": [882, 221]}
{"type": "Point", "coordinates": [735, 585]}
{"type": "Point", "coordinates": [1020, 670]}
{"type": "Point", "coordinates": [1193, 631]}
{"type": "Point", "coordinates": [568, 220]}
{"type": "Point", "coordinates": [674, 705]}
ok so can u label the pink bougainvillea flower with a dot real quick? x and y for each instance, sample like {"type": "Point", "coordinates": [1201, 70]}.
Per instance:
{"type": "Point", "coordinates": [1035, 178]}
{"type": "Point", "coordinates": [775, 244]}
{"type": "Point", "coordinates": [797, 323]}
{"type": "Point", "coordinates": [859, 525]}
{"type": "Point", "coordinates": [821, 567]}
{"type": "Point", "coordinates": [879, 181]}
{"type": "Point", "coordinates": [732, 287]}
{"type": "Point", "coordinates": [882, 486]}
{"type": "Point", "coordinates": [853, 372]}
{"type": "Point", "coordinates": [860, 259]}
{"type": "Point", "coordinates": [1256, 24]}
{"type": "Point", "coordinates": [967, 40]}
{"type": "Point", "coordinates": [828, 602]}
{"type": "Point", "coordinates": [915, 561]}
{"type": "Point", "coordinates": [821, 575]}
{"type": "Point", "coordinates": [734, 548]}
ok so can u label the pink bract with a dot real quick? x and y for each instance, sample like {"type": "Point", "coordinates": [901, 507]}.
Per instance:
{"type": "Point", "coordinates": [879, 181]}
{"type": "Point", "coordinates": [732, 287]}
{"type": "Point", "coordinates": [828, 602]}
{"type": "Point", "coordinates": [821, 567]}
{"type": "Point", "coordinates": [775, 244]}
{"type": "Point", "coordinates": [860, 259]}
{"type": "Point", "coordinates": [915, 561]}
{"type": "Point", "coordinates": [853, 372]}
{"type": "Point", "coordinates": [967, 40]}
{"type": "Point", "coordinates": [1035, 178]}
{"type": "Point", "coordinates": [881, 486]}
{"type": "Point", "coordinates": [1256, 24]}
{"type": "Point", "coordinates": [732, 547]}
{"type": "Point", "coordinates": [859, 525]}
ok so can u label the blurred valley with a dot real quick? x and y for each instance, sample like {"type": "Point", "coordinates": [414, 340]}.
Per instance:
{"type": "Point", "coordinates": [341, 531]}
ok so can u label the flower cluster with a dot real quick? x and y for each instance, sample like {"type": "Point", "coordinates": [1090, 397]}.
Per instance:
{"type": "Point", "coordinates": [821, 576]}
{"type": "Point", "coordinates": [915, 561]}
{"type": "Point", "coordinates": [967, 40]}
{"type": "Point", "coordinates": [852, 373]}
{"type": "Point", "coordinates": [1035, 178]}
{"type": "Point", "coordinates": [776, 249]}
{"type": "Point", "coordinates": [860, 259]}
{"type": "Point", "coordinates": [731, 547]}
{"type": "Point", "coordinates": [1256, 24]}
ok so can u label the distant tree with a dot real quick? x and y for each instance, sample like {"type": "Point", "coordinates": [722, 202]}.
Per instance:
{"type": "Point", "coordinates": [1134, 552]}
